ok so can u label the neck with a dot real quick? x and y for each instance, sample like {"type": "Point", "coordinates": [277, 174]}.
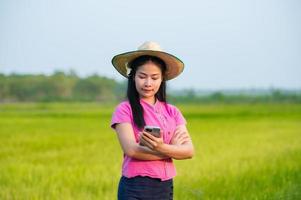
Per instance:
{"type": "Point", "coordinates": [150, 100]}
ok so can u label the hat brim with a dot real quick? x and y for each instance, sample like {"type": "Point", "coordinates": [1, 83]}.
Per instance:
{"type": "Point", "coordinates": [174, 66]}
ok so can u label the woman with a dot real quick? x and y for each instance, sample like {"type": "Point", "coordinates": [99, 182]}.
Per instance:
{"type": "Point", "coordinates": [148, 169]}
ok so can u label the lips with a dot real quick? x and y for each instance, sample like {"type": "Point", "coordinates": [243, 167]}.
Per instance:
{"type": "Point", "coordinates": [146, 90]}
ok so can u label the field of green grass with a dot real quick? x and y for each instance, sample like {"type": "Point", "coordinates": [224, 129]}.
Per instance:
{"type": "Point", "coordinates": [68, 151]}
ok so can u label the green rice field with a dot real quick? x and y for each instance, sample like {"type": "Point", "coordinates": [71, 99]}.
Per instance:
{"type": "Point", "coordinates": [68, 151]}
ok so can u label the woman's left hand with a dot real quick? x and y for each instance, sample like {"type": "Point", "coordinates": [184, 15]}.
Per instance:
{"type": "Point", "coordinates": [180, 136]}
{"type": "Point", "coordinates": [151, 141]}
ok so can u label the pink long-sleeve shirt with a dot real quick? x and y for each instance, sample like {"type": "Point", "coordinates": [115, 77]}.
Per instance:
{"type": "Point", "coordinates": [161, 114]}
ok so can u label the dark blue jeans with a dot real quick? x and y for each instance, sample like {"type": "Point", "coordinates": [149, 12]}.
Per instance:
{"type": "Point", "coordinates": [144, 188]}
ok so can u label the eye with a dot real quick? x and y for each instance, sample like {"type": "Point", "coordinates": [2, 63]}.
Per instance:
{"type": "Point", "coordinates": [155, 78]}
{"type": "Point", "coordinates": [142, 77]}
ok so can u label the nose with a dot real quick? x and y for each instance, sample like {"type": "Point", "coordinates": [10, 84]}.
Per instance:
{"type": "Point", "coordinates": [148, 82]}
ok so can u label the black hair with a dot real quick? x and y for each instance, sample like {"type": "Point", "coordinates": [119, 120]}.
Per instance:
{"type": "Point", "coordinates": [132, 93]}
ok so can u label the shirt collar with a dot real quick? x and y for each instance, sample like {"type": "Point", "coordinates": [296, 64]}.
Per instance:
{"type": "Point", "coordinates": [155, 106]}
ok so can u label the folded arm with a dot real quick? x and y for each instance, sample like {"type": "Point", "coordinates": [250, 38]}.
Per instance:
{"type": "Point", "coordinates": [181, 146]}
{"type": "Point", "coordinates": [131, 148]}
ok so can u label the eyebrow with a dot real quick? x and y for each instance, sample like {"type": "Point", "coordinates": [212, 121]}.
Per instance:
{"type": "Point", "coordinates": [157, 74]}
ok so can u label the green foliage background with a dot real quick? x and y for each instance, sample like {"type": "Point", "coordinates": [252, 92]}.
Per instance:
{"type": "Point", "coordinates": [68, 87]}
{"type": "Point", "coordinates": [59, 86]}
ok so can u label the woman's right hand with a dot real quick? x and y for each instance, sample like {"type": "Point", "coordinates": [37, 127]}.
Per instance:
{"type": "Point", "coordinates": [152, 142]}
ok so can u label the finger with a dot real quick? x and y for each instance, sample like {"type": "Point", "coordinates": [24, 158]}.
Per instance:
{"type": "Point", "coordinates": [181, 132]}
{"type": "Point", "coordinates": [146, 143]}
{"type": "Point", "coordinates": [146, 133]}
{"type": "Point", "coordinates": [150, 136]}
{"type": "Point", "coordinates": [184, 140]}
{"type": "Point", "coordinates": [141, 137]}
{"type": "Point", "coordinates": [179, 136]}
{"type": "Point", "coordinates": [146, 138]}
{"type": "Point", "coordinates": [142, 142]}
{"type": "Point", "coordinates": [140, 134]}
{"type": "Point", "coordinates": [183, 135]}
{"type": "Point", "coordinates": [153, 142]}
{"type": "Point", "coordinates": [177, 132]}
{"type": "Point", "coordinates": [176, 135]}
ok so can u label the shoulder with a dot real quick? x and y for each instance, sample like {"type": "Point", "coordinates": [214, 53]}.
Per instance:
{"type": "Point", "coordinates": [122, 113]}
{"type": "Point", "coordinates": [176, 114]}
{"type": "Point", "coordinates": [172, 109]}
{"type": "Point", "coordinates": [123, 107]}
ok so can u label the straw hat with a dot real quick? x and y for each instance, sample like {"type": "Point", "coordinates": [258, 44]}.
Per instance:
{"type": "Point", "coordinates": [174, 66]}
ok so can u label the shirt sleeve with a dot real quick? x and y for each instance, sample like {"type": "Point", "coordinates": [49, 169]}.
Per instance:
{"type": "Point", "coordinates": [177, 115]}
{"type": "Point", "coordinates": [122, 114]}
{"type": "Point", "coordinates": [180, 120]}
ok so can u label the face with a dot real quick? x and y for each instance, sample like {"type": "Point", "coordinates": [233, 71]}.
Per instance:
{"type": "Point", "coordinates": [148, 79]}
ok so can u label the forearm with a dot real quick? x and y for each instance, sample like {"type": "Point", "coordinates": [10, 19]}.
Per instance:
{"type": "Point", "coordinates": [131, 148]}
{"type": "Point", "coordinates": [143, 153]}
{"type": "Point", "coordinates": [178, 152]}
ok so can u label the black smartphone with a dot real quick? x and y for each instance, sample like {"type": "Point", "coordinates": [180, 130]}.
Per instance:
{"type": "Point", "coordinates": [154, 130]}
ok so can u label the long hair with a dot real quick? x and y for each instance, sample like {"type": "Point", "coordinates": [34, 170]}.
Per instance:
{"type": "Point", "coordinates": [132, 93]}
